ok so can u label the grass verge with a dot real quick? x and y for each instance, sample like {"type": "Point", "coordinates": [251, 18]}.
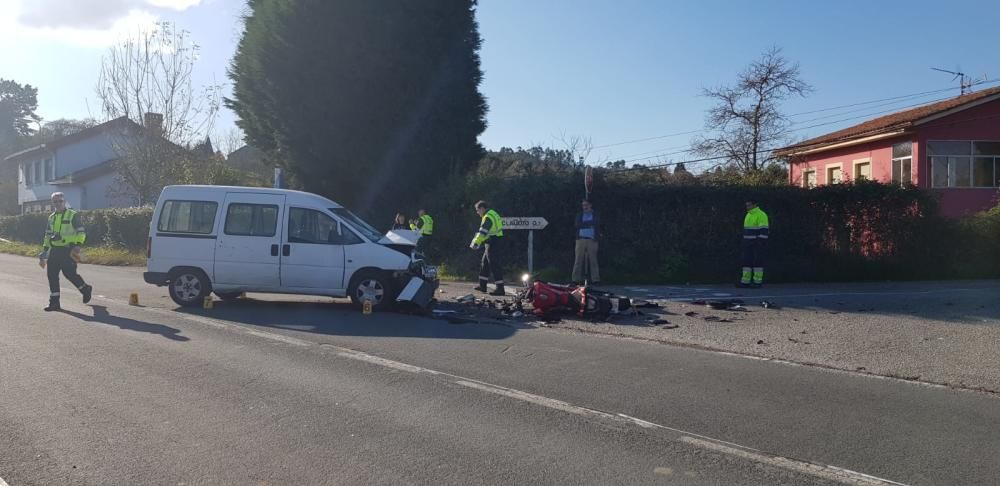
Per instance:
{"type": "Point", "coordinates": [99, 255]}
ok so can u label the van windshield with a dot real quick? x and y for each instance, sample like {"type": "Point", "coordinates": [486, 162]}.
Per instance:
{"type": "Point", "coordinates": [358, 224]}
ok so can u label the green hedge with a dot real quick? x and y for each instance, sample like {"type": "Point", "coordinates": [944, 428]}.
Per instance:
{"type": "Point", "coordinates": [122, 228]}
{"type": "Point", "coordinates": [656, 233]}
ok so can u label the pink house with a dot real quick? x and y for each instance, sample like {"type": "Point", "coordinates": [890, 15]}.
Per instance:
{"type": "Point", "coordinates": [951, 147]}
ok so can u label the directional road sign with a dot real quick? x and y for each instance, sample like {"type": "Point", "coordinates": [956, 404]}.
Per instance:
{"type": "Point", "coordinates": [520, 223]}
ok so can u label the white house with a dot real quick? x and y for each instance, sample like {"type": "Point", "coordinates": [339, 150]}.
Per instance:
{"type": "Point", "coordinates": [81, 165]}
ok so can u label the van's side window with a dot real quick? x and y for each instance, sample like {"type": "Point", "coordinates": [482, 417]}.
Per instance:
{"type": "Point", "coordinates": [251, 219]}
{"type": "Point", "coordinates": [197, 217]}
{"type": "Point", "coordinates": [310, 226]}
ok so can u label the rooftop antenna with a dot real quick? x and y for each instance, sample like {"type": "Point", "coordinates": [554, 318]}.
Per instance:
{"type": "Point", "coordinates": [965, 82]}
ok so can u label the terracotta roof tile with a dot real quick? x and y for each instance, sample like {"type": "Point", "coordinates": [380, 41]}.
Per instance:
{"type": "Point", "coordinates": [890, 122]}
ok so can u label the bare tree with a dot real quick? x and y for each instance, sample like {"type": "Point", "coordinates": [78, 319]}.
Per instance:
{"type": "Point", "coordinates": [147, 79]}
{"type": "Point", "coordinates": [579, 147]}
{"type": "Point", "coordinates": [746, 117]}
{"type": "Point", "coordinates": [230, 140]}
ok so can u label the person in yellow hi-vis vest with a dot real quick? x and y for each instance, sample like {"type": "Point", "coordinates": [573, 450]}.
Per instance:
{"type": "Point", "coordinates": [424, 224]}
{"type": "Point", "coordinates": [64, 236]}
{"type": "Point", "coordinates": [489, 238]}
{"type": "Point", "coordinates": [756, 231]}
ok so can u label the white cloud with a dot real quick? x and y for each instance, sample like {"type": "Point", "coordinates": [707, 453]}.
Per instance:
{"type": "Point", "coordinates": [174, 4]}
{"type": "Point", "coordinates": [85, 23]}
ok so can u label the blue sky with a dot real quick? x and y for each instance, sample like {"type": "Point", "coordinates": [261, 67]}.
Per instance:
{"type": "Point", "coordinates": [612, 71]}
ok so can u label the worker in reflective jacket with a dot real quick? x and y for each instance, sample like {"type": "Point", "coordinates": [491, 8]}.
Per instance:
{"type": "Point", "coordinates": [755, 235]}
{"type": "Point", "coordinates": [424, 224]}
{"type": "Point", "coordinates": [64, 236]}
{"type": "Point", "coordinates": [489, 238]}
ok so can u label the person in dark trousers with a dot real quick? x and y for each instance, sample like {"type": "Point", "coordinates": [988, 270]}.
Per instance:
{"type": "Point", "coordinates": [64, 236]}
{"type": "Point", "coordinates": [489, 238]}
{"type": "Point", "coordinates": [587, 224]}
{"type": "Point", "coordinates": [756, 231]}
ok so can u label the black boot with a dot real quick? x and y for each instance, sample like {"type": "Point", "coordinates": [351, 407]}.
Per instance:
{"type": "Point", "coordinates": [481, 287]}
{"type": "Point", "coordinates": [53, 305]}
{"type": "Point", "coordinates": [87, 292]}
{"type": "Point", "coordinates": [499, 290]}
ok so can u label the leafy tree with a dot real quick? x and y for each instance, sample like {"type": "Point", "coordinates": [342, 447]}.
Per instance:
{"type": "Point", "coordinates": [747, 118]}
{"type": "Point", "coordinates": [17, 114]}
{"type": "Point", "coordinates": [371, 103]}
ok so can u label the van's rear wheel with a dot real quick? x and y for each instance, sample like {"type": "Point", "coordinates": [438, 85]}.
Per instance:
{"type": "Point", "coordinates": [189, 287]}
{"type": "Point", "coordinates": [372, 285]}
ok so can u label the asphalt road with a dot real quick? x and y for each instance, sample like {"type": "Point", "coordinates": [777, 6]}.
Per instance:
{"type": "Point", "coordinates": [308, 391]}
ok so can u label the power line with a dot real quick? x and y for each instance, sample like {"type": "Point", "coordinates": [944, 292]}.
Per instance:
{"type": "Point", "coordinates": [764, 151]}
{"type": "Point", "coordinates": [866, 115]}
{"type": "Point", "coordinates": [894, 98]}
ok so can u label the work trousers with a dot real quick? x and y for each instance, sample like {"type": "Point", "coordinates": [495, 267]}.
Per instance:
{"type": "Point", "coordinates": [586, 256]}
{"type": "Point", "coordinates": [61, 261]}
{"type": "Point", "coordinates": [754, 253]}
{"type": "Point", "coordinates": [492, 262]}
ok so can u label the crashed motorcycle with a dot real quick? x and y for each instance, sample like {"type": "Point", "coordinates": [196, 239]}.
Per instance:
{"type": "Point", "coordinates": [549, 300]}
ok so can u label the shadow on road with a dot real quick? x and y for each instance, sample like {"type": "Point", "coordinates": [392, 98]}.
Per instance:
{"type": "Point", "coordinates": [342, 319]}
{"type": "Point", "coordinates": [101, 315]}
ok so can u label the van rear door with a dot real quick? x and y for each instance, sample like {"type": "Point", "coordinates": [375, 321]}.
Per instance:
{"type": "Point", "coordinates": [248, 251]}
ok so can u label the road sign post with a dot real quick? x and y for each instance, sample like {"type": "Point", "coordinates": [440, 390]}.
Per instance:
{"type": "Point", "coordinates": [526, 223]}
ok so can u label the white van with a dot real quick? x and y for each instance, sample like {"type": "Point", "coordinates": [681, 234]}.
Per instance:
{"type": "Point", "coordinates": [230, 240]}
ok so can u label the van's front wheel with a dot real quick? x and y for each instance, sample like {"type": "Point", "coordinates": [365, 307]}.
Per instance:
{"type": "Point", "coordinates": [189, 287]}
{"type": "Point", "coordinates": [372, 285]}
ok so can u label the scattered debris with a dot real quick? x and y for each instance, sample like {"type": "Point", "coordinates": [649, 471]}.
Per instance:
{"type": "Point", "coordinates": [466, 299]}
{"type": "Point", "coordinates": [660, 321]}
{"type": "Point", "coordinates": [716, 319]}
{"type": "Point", "coordinates": [691, 314]}
{"type": "Point", "coordinates": [441, 291]}
{"type": "Point", "coordinates": [760, 341]}
{"type": "Point", "coordinates": [517, 314]}
{"type": "Point", "coordinates": [768, 305]}
{"type": "Point", "coordinates": [738, 308]}
{"type": "Point", "coordinates": [439, 312]}
{"type": "Point", "coordinates": [796, 341]}
{"type": "Point", "coordinates": [834, 312]}
{"type": "Point", "coordinates": [670, 326]}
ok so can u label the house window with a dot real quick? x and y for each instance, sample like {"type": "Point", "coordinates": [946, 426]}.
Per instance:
{"type": "Point", "coordinates": [834, 174]}
{"type": "Point", "coordinates": [863, 171]}
{"type": "Point", "coordinates": [50, 169]}
{"type": "Point", "coordinates": [37, 169]}
{"type": "Point", "coordinates": [809, 179]}
{"type": "Point", "coordinates": [902, 160]}
{"type": "Point", "coordinates": [964, 163]}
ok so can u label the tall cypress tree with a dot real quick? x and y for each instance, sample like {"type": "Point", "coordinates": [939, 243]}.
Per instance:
{"type": "Point", "coordinates": [368, 102]}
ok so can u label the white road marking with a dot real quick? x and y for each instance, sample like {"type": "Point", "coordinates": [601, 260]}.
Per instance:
{"type": "Point", "coordinates": [831, 473]}
{"type": "Point", "coordinates": [844, 476]}
{"type": "Point", "coordinates": [388, 363]}
{"type": "Point", "coordinates": [3, 483]}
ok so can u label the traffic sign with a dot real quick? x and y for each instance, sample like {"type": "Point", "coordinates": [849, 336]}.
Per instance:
{"type": "Point", "coordinates": [519, 223]}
